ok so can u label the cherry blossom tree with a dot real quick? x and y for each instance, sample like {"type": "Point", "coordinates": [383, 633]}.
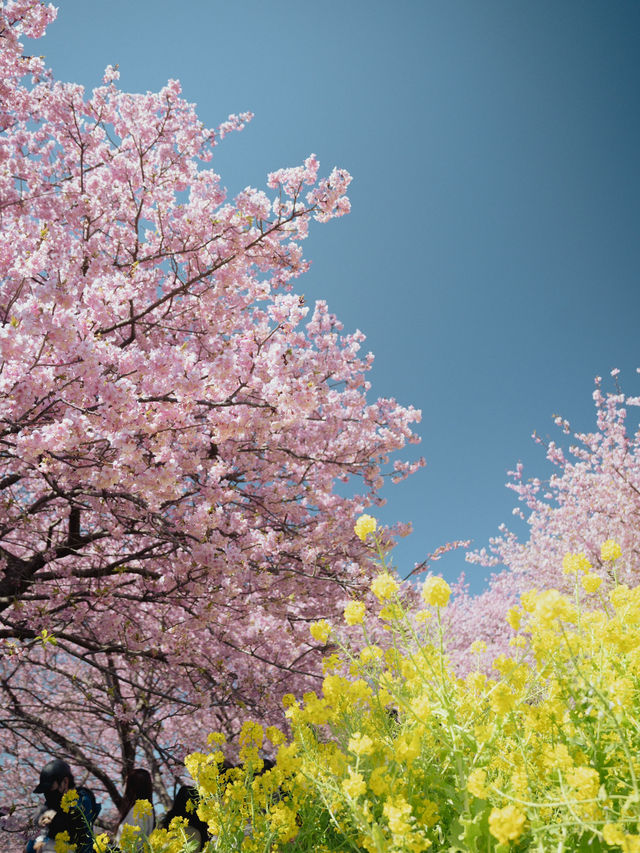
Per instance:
{"type": "Point", "coordinates": [593, 496]}
{"type": "Point", "coordinates": [175, 424]}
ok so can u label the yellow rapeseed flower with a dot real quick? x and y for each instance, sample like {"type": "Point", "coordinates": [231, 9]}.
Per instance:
{"type": "Point", "coordinates": [556, 757]}
{"type": "Point", "coordinates": [408, 746]}
{"type": "Point", "coordinates": [331, 663]}
{"type": "Point", "coordinates": [591, 582]}
{"type": "Point", "coordinates": [283, 822]}
{"type": "Point", "coordinates": [436, 592]}
{"type": "Point", "coordinates": [384, 586]}
{"type": "Point", "coordinates": [288, 700]}
{"type": "Point", "coordinates": [369, 654]}
{"type": "Point", "coordinates": [216, 738]}
{"type": "Point", "coordinates": [379, 781]}
{"type": "Point", "coordinates": [360, 744]}
{"type": "Point", "coordinates": [391, 613]}
{"type": "Point", "coordinates": [62, 843]}
{"type": "Point", "coordinates": [251, 733]}
{"type": "Point", "coordinates": [502, 699]}
{"type": "Point", "coordinates": [398, 813]}
{"type": "Point", "coordinates": [320, 630]}
{"type": "Point", "coordinates": [101, 843]}
{"type": "Point", "coordinates": [275, 735]}
{"type": "Point", "coordinates": [477, 783]}
{"type": "Point", "coordinates": [316, 711]}
{"type": "Point", "coordinates": [572, 564]}
{"type": "Point", "coordinates": [421, 707]}
{"type": "Point", "coordinates": [423, 616]}
{"type": "Point", "coordinates": [530, 736]}
{"type": "Point", "coordinates": [354, 786]}
{"type": "Point", "coordinates": [528, 600]}
{"type": "Point", "coordinates": [130, 836]}
{"type": "Point", "coordinates": [365, 525]}
{"type": "Point", "coordinates": [289, 760]}
{"type": "Point", "coordinates": [429, 813]}
{"type": "Point", "coordinates": [514, 617]}
{"type": "Point", "coordinates": [551, 605]}
{"type": "Point", "coordinates": [354, 613]}
{"type": "Point", "coordinates": [621, 692]}
{"type": "Point", "coordinates": [610, 550]}
{"type": "Point", "coordinates": [142, 808]}
{"type": "Point", "coordinates": [620, 596]}
{"type": "Point", "coordinates": [585, 782]}
{"type": "Point", "coordinates": [69, 800]}
{"type": "Point", "coordinates": [506, 824]}
{"type": "Point", "coordinates": [613, 834]}
{"type": "Point", "coordinates": [476, 680]}
{"type": "Point", "coordinates": [520, 784]}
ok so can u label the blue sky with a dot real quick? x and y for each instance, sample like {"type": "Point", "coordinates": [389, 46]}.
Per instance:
{"type": "Point", "coordinates": [492, 252]}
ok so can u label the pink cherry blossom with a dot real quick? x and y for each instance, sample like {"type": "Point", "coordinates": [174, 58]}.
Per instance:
{"type": "Point", "coordinates": [175, 420]}
{"type": "Point", "coordinates": [593, 496]}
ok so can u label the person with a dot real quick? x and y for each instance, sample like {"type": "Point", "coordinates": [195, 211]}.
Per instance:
{"type": "Point", "coordinates": [56, 779]}
{"type": "Point", "coordinates": [138, 786]}
{"type": "Point", "coordinates": [185, 805]}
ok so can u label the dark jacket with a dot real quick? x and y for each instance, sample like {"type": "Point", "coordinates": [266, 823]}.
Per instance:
{"type": "Point", "coordinates": [78, 821]}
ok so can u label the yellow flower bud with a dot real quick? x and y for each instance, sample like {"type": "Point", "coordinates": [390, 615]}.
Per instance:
{"type": "Point", "coordinates": [591, 582]}
{"type": "Point", "coordinates": [354, 613]}
{"type": "Point", "coordinates": [69, 800]}
{"type": "Point", "coordinates": [436, 592]}
{"type": "Point", "coordinates": [506, 824]}
{"type": "Point", "coordinates": [360, 744]}
{"type": "Point", "coordinates": [514, 617]}
{"type": "Point", "coordinates": [365, 525]}
{"type": "Point", "coordinates": [610, 550]}
{"type": "Point", "coordinates": [477, 784]}
{"type": "Point", "coordinates": [502, 699]}
{"type": "Point", "coordinates": [572, 564]}
{"type": "Point", "coordinates": [384, 586]}
{"type": "Point", "coordinates": [320, 630]}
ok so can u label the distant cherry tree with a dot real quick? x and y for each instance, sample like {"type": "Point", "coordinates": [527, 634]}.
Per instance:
{"type": "Point", "coordinates": [593, 496]}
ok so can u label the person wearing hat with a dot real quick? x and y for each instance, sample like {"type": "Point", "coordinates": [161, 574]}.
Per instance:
{"type": "Point", "coordinates": [56, 779]}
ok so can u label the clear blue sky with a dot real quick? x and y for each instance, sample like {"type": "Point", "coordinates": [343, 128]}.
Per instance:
{"type": "Point", "coordinates": [492, 253]}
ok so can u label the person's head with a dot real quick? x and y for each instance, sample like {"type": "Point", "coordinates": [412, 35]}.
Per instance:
{"type": "Point", "coordinates": [138, 786]}
{"type": "Point", "coordinates": [56, 779]}
{"type": "Point", "coordinates": [185, 795]}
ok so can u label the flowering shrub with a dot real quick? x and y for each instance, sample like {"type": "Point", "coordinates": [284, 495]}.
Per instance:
{"type": "Point", "coordinates": [397, 753]}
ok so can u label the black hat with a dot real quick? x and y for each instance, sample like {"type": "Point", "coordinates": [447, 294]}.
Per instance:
{"type": "Point", "coordinates": [52, 772]}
